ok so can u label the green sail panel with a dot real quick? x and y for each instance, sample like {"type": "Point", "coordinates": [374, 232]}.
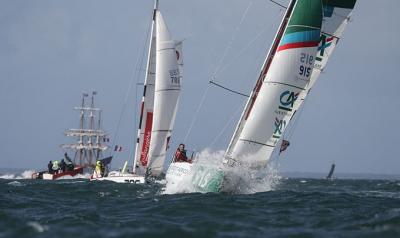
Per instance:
{"type": "Point", "coordinates": [304, 26]}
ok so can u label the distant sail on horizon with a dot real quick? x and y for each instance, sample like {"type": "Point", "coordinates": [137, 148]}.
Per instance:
{"type": "Point", "coordinates": [331, 171]}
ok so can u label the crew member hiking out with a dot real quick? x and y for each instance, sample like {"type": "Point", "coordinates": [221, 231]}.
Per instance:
{"type": "Point", "coordinates": [180, 154]}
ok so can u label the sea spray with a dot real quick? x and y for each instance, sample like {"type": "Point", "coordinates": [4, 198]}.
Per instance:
{"type": "Point", "coordinates": [209, 174]}
{"type": "Point", "coordinates": [244, 179]}
{"type": "Point", "coordinates": [185, 178]}
{"type": "Point", "coordinates": [27, 174]}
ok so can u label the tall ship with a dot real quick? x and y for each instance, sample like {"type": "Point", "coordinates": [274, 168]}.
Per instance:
{"type": "Point", "coordinates": [89, 146]}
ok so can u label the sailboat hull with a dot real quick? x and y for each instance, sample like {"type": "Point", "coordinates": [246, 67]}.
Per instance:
{"type": "Point", "coordinates": [118, 177]}
{"type": "Point", "coordinates": [183, 176]}
{"type": "Point", "coordinates": [63, 175]}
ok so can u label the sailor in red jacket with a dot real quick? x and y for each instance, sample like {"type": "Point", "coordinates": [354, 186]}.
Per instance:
{"type": "Point", "coordinates": [180, 154]}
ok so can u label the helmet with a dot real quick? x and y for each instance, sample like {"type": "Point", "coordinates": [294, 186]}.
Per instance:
{"type": "Point", "coordinates": [98, 162]}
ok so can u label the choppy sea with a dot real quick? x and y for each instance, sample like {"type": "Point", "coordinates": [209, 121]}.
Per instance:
{"type": "Point", "coordinates": [294, 207]}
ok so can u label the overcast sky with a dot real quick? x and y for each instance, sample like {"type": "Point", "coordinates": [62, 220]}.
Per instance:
{"type": "Point", "coordinates": [52, 50]}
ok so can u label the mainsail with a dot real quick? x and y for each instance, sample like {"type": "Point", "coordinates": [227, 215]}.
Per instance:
{"type": "Point", "coordinates": [166, 97]}
{"type": "Point", "coordinates": [286, 72]}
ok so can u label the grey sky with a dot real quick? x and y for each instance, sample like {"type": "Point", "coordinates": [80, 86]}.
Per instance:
{"type": "Point", "coordinates": [50, 51]}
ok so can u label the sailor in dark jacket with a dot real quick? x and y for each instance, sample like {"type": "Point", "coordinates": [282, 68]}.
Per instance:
{"type": "Point", "coordinates": [50, 167]}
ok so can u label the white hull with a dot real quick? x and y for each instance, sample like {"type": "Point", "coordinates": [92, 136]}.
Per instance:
{"type": "Point", "coordinates": [183, 177]}
{"type": "Point", "coordinates": [177, 172]}
{"type": "Point", "coordinates": [118, 177]}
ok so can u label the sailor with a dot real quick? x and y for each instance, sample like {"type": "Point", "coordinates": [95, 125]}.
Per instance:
{"type": "Point", "coordinates": [66, 157]}
{"type": "Point", "coordinates": [102, 169]}
{"type": "Point", "coordinates": [63, 165]}
{"type": "Point", "coordinates": [50, 166]}
{"type": "Point", "coordinates": [180, 154]}
{"type": "Point", "coordinates": [70, 165]}
{"type": "Point", "coordinates": [55, 167]}
{"type": "Point", "coordinates": [98, 169]}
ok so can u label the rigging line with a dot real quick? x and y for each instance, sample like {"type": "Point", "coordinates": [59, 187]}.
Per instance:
{"type": "Point", "coordinates": [138, 64]}
{"type": "Point", "coordinates": [226, 126]}
{"type": "Point", "coordinates": [279, 4]}
{"type": "Point", "coordinates": [229, 45]}
{"type": "Point", "coordinates": [196, 114]}
{"type": "Point", "coordinates": [228, 89]}
{"type": "Point", "coordinates": [296, 119]}
{"type": "Point", "coordinates": [246, 47]}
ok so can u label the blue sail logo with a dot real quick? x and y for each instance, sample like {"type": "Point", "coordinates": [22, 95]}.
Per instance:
{"type": "Point", "coordinates": [325, 42]}
{"type": "Point", "coordinates": [287, 100]}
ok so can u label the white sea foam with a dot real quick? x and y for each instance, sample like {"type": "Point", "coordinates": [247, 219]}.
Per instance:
{"type": "Point", "coordinates": [37, 226]}
{"type": "Point", "coordinates": [27, 174]}
{"type": "Point", "coordinates": [237, 179]}
{"type": "Point", "coordinates": [15, 184]}
{"type": "Point", "coordinates": [244, 179]}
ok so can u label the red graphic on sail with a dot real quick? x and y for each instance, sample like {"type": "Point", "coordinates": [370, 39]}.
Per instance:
{"type": "Point", "coordinates": [146, 139]}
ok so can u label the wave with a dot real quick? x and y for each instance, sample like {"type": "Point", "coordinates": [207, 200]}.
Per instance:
{"type": "Point", "coordinates": [27, 174]}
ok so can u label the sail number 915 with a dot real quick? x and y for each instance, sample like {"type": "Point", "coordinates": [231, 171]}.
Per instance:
{"type": "Point", "coordinates": [174, 74]}
{"type": "Point", "coordinates": [306, 60]}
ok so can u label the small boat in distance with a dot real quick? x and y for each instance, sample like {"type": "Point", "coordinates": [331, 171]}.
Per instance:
{"type": "Point", "coordinates": [89, 147]}
{"type": "Point", "coordinates": [331, 172]}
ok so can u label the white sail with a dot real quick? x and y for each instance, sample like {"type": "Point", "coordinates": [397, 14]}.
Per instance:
{"type": "Point", "coordinates": [286, 73]}
{"type": "Point", "coordinates": [256, 89]}
{"type": "Point", "coordinates": [166, 97]}
{"type": "Point", "coordinates": [147, 104]}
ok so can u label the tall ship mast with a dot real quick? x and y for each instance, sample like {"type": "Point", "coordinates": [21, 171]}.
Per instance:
{"type": "Point", "coordinates": [90, 137]}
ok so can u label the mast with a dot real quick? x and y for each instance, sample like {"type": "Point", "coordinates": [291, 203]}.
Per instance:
{"type": "Point", "coordinates": [147, 102]}
{"type": "Point", "coordinates": [89, 139]}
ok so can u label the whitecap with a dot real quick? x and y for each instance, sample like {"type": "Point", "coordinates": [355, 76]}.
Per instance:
{"type": "Point", "coordinates": [27, 174]}
{"type": "Point", "coordinates": [38, 227]}
{"type": "Point", "coordinates": [16, 184]}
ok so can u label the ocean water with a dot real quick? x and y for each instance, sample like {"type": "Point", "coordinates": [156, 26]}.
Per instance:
{"type": "Point", "coordinates": [294, 207]}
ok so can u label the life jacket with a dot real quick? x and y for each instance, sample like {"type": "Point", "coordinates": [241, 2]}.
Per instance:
{"type": "Point", "coordinates": [55, 165]}
{"type": "Point", "coordinates": [180, 156]}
